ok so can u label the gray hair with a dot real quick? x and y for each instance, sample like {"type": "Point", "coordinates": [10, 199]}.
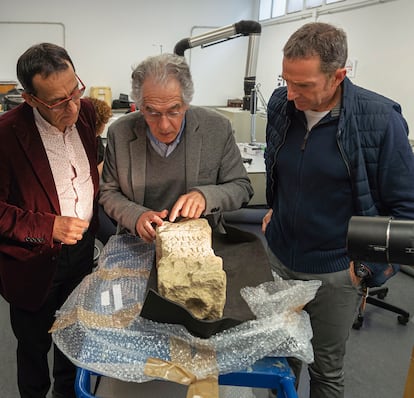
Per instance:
{"type": "Point", "coordinates": [319, 39]}
{"type": "Point", "coordinates": [162, 68]}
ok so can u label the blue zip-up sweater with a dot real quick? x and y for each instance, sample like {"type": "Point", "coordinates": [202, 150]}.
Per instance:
{"type": "Point", "coordinates": [356, 163]}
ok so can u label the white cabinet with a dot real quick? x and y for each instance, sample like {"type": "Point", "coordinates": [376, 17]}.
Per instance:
{"type": "Point", "coordinates": [241, 122]}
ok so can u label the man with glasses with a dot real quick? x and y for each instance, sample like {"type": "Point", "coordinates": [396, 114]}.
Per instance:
{"type": "Point", "coordinates": [170, 160]}
{"type": "Point", "coordinates": [49, 183]}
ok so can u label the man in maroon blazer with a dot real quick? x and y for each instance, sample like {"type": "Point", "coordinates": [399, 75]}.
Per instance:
{"type": "Point", "coordinates": [48, 187]}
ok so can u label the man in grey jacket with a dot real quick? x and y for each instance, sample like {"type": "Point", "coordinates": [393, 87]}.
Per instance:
{"type": "Point", "coordinates": [170, 159]}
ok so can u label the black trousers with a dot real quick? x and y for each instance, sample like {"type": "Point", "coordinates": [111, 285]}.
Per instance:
{"type": "Point", "coordinates": [32, 328]}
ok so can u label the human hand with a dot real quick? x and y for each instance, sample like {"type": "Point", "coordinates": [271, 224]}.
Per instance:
{"type": "Point", "coordinates": [266, 220]}
{"type": "Point", "coordinates": [146, 224]}
{"type": "Point", "coordinates": [69, 230]}
{"type": "Point", "coordinates": [190, 205]}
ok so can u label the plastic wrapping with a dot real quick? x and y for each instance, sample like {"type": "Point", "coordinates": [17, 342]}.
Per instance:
{"type": "Point", "coordinates": [99, 327]}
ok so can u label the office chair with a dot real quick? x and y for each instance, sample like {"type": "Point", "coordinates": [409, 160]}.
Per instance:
{"type": "Point", "coordinates": [375, 296]}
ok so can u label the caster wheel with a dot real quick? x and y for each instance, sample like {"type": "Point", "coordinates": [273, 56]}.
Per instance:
{"type": "Point", "coordinates": [358, 323]}
{"type": "Point", "coordinates": [402, 320]}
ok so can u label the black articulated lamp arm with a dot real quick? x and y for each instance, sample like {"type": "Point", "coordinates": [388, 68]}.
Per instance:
{"type": "Point", "coordinates": [252, 29]}
{"type": "Point", "coordinates": [241, 28]}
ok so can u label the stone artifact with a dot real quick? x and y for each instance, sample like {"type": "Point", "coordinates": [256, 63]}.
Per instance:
{"type": "Point", "coordinates": [189, 273]}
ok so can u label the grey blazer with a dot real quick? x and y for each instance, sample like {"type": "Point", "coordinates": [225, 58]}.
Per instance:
{"type": "Point", "coordinates": [214, 166]}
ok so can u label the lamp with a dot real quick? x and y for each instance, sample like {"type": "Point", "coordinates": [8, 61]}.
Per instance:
{"type": "Point", "coordinates": [380, 240]}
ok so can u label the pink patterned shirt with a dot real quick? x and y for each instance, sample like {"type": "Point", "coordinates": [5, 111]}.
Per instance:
{"type": "Point", "coordinates": [70, 168]}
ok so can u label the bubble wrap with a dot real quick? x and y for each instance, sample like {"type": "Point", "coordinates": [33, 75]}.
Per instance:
{"type": "Point", "coordinates": [99, 328]}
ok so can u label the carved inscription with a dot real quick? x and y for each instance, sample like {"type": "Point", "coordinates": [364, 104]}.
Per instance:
{"type": "Point", "coordinates": [189, 272]}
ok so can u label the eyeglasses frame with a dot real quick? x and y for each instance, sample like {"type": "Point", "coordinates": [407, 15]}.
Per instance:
{"type": "Point", "coordinates": [157, 116]}
{"type": "Point", "coordinates": [54, 107]}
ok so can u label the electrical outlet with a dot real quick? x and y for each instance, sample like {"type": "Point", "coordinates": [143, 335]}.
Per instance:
{"type": "Point", "coordinates": [351, 67]}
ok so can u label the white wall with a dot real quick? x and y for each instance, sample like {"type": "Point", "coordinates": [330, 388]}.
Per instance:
{"type": "Point", "coordinates": [380, 37]}
{"type": "Point", "coordinates": [106, 39]}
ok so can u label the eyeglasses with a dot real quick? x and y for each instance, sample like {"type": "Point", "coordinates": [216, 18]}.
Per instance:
{"type": "Point", "coordinates": [155, 116]}
{"type": "Point", "coordinates": [62, 104]}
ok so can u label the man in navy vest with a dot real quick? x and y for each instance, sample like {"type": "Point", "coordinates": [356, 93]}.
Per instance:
{"type": "Point", "coordinates": [334, 150]}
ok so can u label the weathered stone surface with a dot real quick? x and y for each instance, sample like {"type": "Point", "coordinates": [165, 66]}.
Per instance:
{"type": "Point", "coordinates": [188, 238]}
{"type": "Point", "coordinates": [188, 271]}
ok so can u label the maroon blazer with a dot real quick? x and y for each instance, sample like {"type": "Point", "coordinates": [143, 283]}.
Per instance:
{"type": "Point", "coordinates": [29, 204]}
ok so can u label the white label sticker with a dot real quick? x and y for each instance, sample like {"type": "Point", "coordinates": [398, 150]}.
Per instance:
{"type": "Point", "coordinates": [105, 298]}
{"type": "Point", "coordinates": [116, 290]}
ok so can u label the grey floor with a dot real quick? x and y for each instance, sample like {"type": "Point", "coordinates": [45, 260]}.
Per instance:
{"type": "Point", "coordinates": [376, 364]}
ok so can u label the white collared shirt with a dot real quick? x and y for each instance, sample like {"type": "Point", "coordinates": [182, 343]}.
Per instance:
{"type": "Point", "coordinates": [70, 168]}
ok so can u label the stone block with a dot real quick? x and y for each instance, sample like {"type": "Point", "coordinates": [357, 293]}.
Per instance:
{"type": "Point", "coordinates": [189, 273]}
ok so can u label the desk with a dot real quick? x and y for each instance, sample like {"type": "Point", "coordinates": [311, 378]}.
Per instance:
{"type": "Point", "coordinates": [255, 169]}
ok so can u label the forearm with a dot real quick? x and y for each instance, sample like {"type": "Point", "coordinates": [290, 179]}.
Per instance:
{"type": "Point", "coordinates": [26, 226]}
{"type": "Point", "coordinates": [124, 211]}
{"type": "Point", "coordinates": [226, 197]}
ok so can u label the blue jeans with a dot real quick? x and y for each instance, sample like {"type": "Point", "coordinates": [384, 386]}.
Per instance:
{"type": "Point", "coordinates": [332, 313]}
